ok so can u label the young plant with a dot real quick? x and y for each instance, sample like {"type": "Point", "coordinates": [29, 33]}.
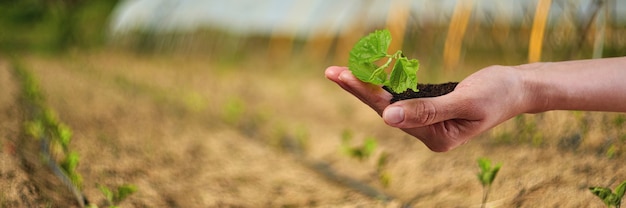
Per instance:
{"type": "Point", "coordinates": [383, 176]}
{"type": "Point", "coordinates": [43, 125]}
{"type": "Point", "coordinates": [610, 198]}
{"type": "Point", "coordinates": [114, 197]}
{"type": "Point", "coordinates": [360, 152]}
{"type": "Point", "coordinates": [372, 48]}
{"type": "Point", "coordinates": [487, 174]}
{"type": "Point", "coordinates": [364, 151]}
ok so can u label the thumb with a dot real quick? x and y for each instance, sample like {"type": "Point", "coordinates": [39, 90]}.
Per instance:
{"type": "Point", "coordinates": [421, 112]}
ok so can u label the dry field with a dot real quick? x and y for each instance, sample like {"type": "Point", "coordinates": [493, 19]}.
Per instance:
{"type": "Point", "coordinates": [190, 131]}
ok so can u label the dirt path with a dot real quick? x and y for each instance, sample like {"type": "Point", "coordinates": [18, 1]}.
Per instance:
{"type": "Point", "coordinates": [191, 133]}
{"type": "Point", "coordinates": [16, 188]}
{"type": "Point", "coordinates": [130, 135]}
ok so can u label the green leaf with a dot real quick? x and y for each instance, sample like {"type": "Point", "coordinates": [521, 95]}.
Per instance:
{"type": "Point", "coordinates": [494, 172]}
{"type": "Point", "coordinates": [404, 75]}
{"type": "Point", "coordinates": [484, 164]}
{"type": "Point", "coordinates": [369, 146]}
{"type": "Point", "coordinates": [620, 190]}
{"type": "Point", "coordinates": [382, 161]}
{"type": "Point", "coordinates": [368, 72]}
{"type": "Point", "coordinates": [108, 194]}
{"type": "Point", "coordinates": [65, 134]}
{"type": "Point", "coordinates": [124, 191]}
{"type": "Point", "coordinates": [605, 194]}
{"type": "Point", "coordinates": [365, 52]}
{"type": "Point", "coordinates": [384, 178]}
{"type": "Point", "coordinates": [71, 162]}
{"type": "Point", "coordinates": [487, 173]}
{"type": "Point", "coordinates": [372, 47]}
{"type": "Point", "coordinates": [35, 128]}
{"type": "Point", "coordinates": [69, 165]}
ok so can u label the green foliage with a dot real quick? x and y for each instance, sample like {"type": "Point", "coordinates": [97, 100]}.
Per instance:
{"type": "Point", "coordinates": [365, 151]}
{"type": "Point", "coordinates": [373, 48]}
{"type": "Point", "coordinates": [383, 176]}
{"type": "Point", "coordinates": [488, 172]}
{"type": "Point", "coordinates": [43, 123]}
{"type": "Point", "coordinates": [359, 152]}
{"type": "Point", "coordinates": [612, 151]}
{"type": "Point", "coordinates": [115, 197]}
{"type": "Point", "coordinates": [610, 198]}
{"type": "Point", "coordinates": [53, 25]}
{"type": "Point", "coordinates": [487, 175]}
{"type": "Point", "coordinates": [69, 165]}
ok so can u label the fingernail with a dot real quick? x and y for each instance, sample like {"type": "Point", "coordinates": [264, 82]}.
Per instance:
{"type": "Point", "coordinates": [393, 115]}
{"type": "Point", "coordinates": [345, 76]}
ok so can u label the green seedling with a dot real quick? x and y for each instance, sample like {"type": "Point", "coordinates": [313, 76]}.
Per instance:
{"type": "Point", "coordinates": [486, 176]}
{"type": "Point", "coordinates": [360, 152]}
{"type": "Point", "coordinates": [383, 176]}
{"type": "Point", "coordinates": [372, 48]}
{"type": "Point", "coordinates": [115, 197]}
{"type": "Point", "coordinates": [43, 125]}
{"type": "Point", "coordinates": [364, 151]}
{"type": "Point", "coordinates": [69, 165]}
{"type": "Point", "coordinates": [610, 198]}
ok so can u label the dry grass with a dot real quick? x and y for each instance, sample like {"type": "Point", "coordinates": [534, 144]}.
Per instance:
{"type": "Point", "coordinates": [195, 132]}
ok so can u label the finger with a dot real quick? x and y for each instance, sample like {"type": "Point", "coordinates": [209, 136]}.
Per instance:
{"type": "Point", "coordinates": [446, 135]}
{"type": "Point", "coordinates": [332, 73]}
{"type": "Point", "coordinates": [372, 95]}
{"type": "Point", "coordinates": [421, 112]}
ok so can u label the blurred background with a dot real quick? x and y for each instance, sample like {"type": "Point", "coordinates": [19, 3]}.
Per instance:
{"type": "Point", "coordinates": [448, 31]}
{"type": "Point", "coordinates": [205, 103]}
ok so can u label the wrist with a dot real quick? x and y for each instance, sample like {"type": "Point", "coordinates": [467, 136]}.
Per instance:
{"type": "Point", "coordinates": [539, 93]}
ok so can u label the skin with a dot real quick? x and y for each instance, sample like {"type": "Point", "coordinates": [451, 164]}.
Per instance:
{"type": "Point", "coordinates": [495, 94]}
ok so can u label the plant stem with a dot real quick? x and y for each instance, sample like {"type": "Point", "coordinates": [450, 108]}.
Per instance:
{"type": "Point", "coordinates": [486, 190]}
{"type": "Point", "coordinates": [381, 68]}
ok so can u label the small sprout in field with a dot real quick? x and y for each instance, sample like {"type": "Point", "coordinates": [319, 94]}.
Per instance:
{"type": "Point", "coordinates": [114, 197]}
{"type": "Point", "coordinates": [64, 134]}
{"type": "Point", "coordinates": [612, 151]}
{"type": "Point", "coordinates": [383, 176]}
{"type": "Point", "coordinates": [346, 137]}
{"type": "Point", "coordinates": [610, 198]}
{"type": "Point", "coordinates": [233, 110]}
{"type": "Point", "coordinates": [35, 128]}
{"type": "Point", "coordinates": [364, 151]}
{"type": "Point", "coordinates": [487, 175]}
{"type": "Point", "coordinates": [69, 165]}
{"type": "Point", "coordinates": [361, 152]}
{"type": "Point", "coordinates": [373, 48]}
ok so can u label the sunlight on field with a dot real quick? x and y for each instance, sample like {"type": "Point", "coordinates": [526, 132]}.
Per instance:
{"type": "Point", "coordinates": [215, 118]}
{"type": "Point", "coordinates": [156, 118]}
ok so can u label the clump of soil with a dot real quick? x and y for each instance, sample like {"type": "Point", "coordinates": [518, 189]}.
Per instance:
{"type": "Point", "coordinates": [424, 90]}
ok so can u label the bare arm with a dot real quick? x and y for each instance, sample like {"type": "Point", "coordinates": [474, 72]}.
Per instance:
{"type": "Point", "coordinates": [494, 95]}
{"type": "Point", "coordinates": [593, 85]}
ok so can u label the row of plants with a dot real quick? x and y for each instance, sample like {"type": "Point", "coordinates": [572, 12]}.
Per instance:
{"type": "Point", "coordinates": [43, 125]}
{"type": "Point", "coordinates": [486, 175]}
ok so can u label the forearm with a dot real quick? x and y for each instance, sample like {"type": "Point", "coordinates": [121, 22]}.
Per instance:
{"type": "Point", "coordinates": [592, 85]}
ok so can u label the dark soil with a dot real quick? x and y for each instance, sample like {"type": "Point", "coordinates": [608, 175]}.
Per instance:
{"type": "Point", "coordinates": [424, 90]}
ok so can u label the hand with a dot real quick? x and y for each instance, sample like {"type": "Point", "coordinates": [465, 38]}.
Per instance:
{"type": "Point", "coordinates": [478, 103]}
